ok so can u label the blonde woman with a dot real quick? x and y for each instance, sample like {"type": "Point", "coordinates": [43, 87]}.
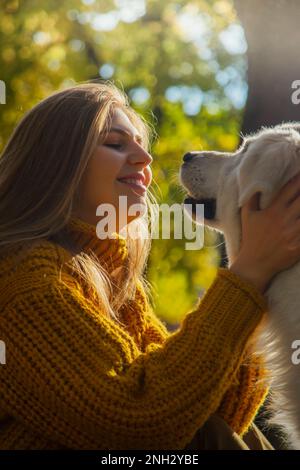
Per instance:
{"type": "Point", "coordinates": [88, 363]}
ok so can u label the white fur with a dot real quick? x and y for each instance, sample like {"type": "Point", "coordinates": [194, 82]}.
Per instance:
{"type": "Point", "coordinates": [264, 163]}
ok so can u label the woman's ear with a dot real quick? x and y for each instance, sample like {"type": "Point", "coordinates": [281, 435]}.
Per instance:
{"type": "Point", "coordinates": [265, 168]}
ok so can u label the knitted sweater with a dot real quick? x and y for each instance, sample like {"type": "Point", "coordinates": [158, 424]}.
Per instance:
{"type": "Point", "coordinates": [76, 379]}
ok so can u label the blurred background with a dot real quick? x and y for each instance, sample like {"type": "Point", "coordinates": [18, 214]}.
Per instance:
{"type": "Point", "coordinates": [202, 72]}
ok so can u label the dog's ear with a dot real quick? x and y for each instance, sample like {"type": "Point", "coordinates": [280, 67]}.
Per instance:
{"type": "Point", "coordinates": [249, 183]}
{"type": "Point", "coordinates": [266, 166]}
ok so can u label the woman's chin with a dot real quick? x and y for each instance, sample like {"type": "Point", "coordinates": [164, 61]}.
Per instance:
{"type": "Point", "coordinates": [132, 199]}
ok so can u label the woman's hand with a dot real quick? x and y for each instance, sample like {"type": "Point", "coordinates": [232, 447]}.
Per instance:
{"type": "Point", "coordinates": [270, 237]}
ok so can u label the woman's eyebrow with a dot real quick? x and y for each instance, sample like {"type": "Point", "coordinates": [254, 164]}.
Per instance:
{"type": "Point", "coordinates": [127, 133]}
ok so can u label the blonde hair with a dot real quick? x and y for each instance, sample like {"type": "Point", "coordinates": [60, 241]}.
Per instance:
{"type": "Point", "coordinates": [40, 173]}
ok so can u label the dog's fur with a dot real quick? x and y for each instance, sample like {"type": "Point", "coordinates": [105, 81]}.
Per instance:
{"type": "Point", "coordinates": [264, 163]}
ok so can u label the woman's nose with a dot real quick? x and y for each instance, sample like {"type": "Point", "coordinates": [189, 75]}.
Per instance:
{"type": "Point", "coordinates": [141, 156]}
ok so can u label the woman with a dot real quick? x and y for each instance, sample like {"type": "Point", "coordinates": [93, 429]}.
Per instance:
{"type": "Point", "coordinates": [88, 363]}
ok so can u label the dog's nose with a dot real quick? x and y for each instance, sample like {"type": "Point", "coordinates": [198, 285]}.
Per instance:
{"type": "Point", "coordinates": [188, 157]}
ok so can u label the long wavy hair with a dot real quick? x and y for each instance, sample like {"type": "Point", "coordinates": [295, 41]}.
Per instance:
{"type": "Point", "coordinates": [41, 168]}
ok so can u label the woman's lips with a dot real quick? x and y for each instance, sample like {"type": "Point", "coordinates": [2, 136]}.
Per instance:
{"type": "Point", "coordinates": [137, 187]}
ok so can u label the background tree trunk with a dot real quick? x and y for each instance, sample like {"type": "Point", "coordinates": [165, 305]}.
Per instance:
{"type": "Point", "coordinates": [273, 35]}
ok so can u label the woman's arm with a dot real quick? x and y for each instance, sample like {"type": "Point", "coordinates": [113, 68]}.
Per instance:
{"type": "Point", "coordinates": [249, 387]}
{"type": "Point", "coordinates": [79, 379]}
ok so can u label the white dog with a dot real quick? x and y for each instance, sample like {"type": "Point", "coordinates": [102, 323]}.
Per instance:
{"type": "Point", "coordinates": [223, 182]}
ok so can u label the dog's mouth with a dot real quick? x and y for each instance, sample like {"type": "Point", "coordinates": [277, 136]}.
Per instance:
{"type": "Point", "coordinates": [209, 206]}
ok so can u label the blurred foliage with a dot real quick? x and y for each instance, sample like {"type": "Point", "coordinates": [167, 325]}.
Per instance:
{"type": "Point", "coordinates": [180, 62]}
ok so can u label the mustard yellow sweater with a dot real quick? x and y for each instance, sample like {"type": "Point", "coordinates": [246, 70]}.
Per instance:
{"type": "Point", "coordinates": [75, 379]}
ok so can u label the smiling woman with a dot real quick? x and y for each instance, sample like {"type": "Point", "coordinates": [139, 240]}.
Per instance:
{"type": "Point", "coordinates": [89, 364]}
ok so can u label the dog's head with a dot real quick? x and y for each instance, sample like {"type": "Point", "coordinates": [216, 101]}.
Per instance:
{"type": "Point", "coordinates": [223, 182]}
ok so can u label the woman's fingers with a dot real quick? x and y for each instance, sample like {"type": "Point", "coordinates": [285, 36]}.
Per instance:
{"type": "Point", "coordinates": [291, 233]}
{"type": "Point", "coordinates": [293, 210]}
{"type": "Point", "coordinates": [295, 246]}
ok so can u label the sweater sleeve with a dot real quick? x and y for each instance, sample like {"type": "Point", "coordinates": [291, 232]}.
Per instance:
{"type": "Point", "coordinates": [250, 385]}
{"type": "Point", "coordinates": [246, 395]}
{"type": "Point", "coordinates": [79, 379]}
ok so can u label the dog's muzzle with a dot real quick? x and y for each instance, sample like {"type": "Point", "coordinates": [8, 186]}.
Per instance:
{"type": "Point", "coordinates": [209, 206]}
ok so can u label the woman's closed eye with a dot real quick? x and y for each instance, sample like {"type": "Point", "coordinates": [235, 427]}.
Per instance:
{"type": "Point", "coordinates": [117, 146]}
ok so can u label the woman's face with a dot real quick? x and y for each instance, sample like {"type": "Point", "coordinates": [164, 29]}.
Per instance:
{"type": "Point", "coordinates": [119, 166]}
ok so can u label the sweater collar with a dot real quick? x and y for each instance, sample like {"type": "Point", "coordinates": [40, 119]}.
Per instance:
{"type": "Point", "coordinates": [111, 251]}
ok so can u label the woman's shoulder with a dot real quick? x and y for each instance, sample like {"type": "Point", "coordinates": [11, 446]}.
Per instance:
{"type": "Point", "coordinates": [28, 266]}
{"type": "Point", "coordinates": [36, 254]}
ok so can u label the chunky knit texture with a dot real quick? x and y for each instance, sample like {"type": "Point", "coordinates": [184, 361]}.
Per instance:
{"type": "Point", "coordinates": [76, 379]}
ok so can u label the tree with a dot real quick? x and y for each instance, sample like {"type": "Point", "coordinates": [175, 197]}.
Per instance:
{"type": "Point", "coordinates": [272, 32]}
